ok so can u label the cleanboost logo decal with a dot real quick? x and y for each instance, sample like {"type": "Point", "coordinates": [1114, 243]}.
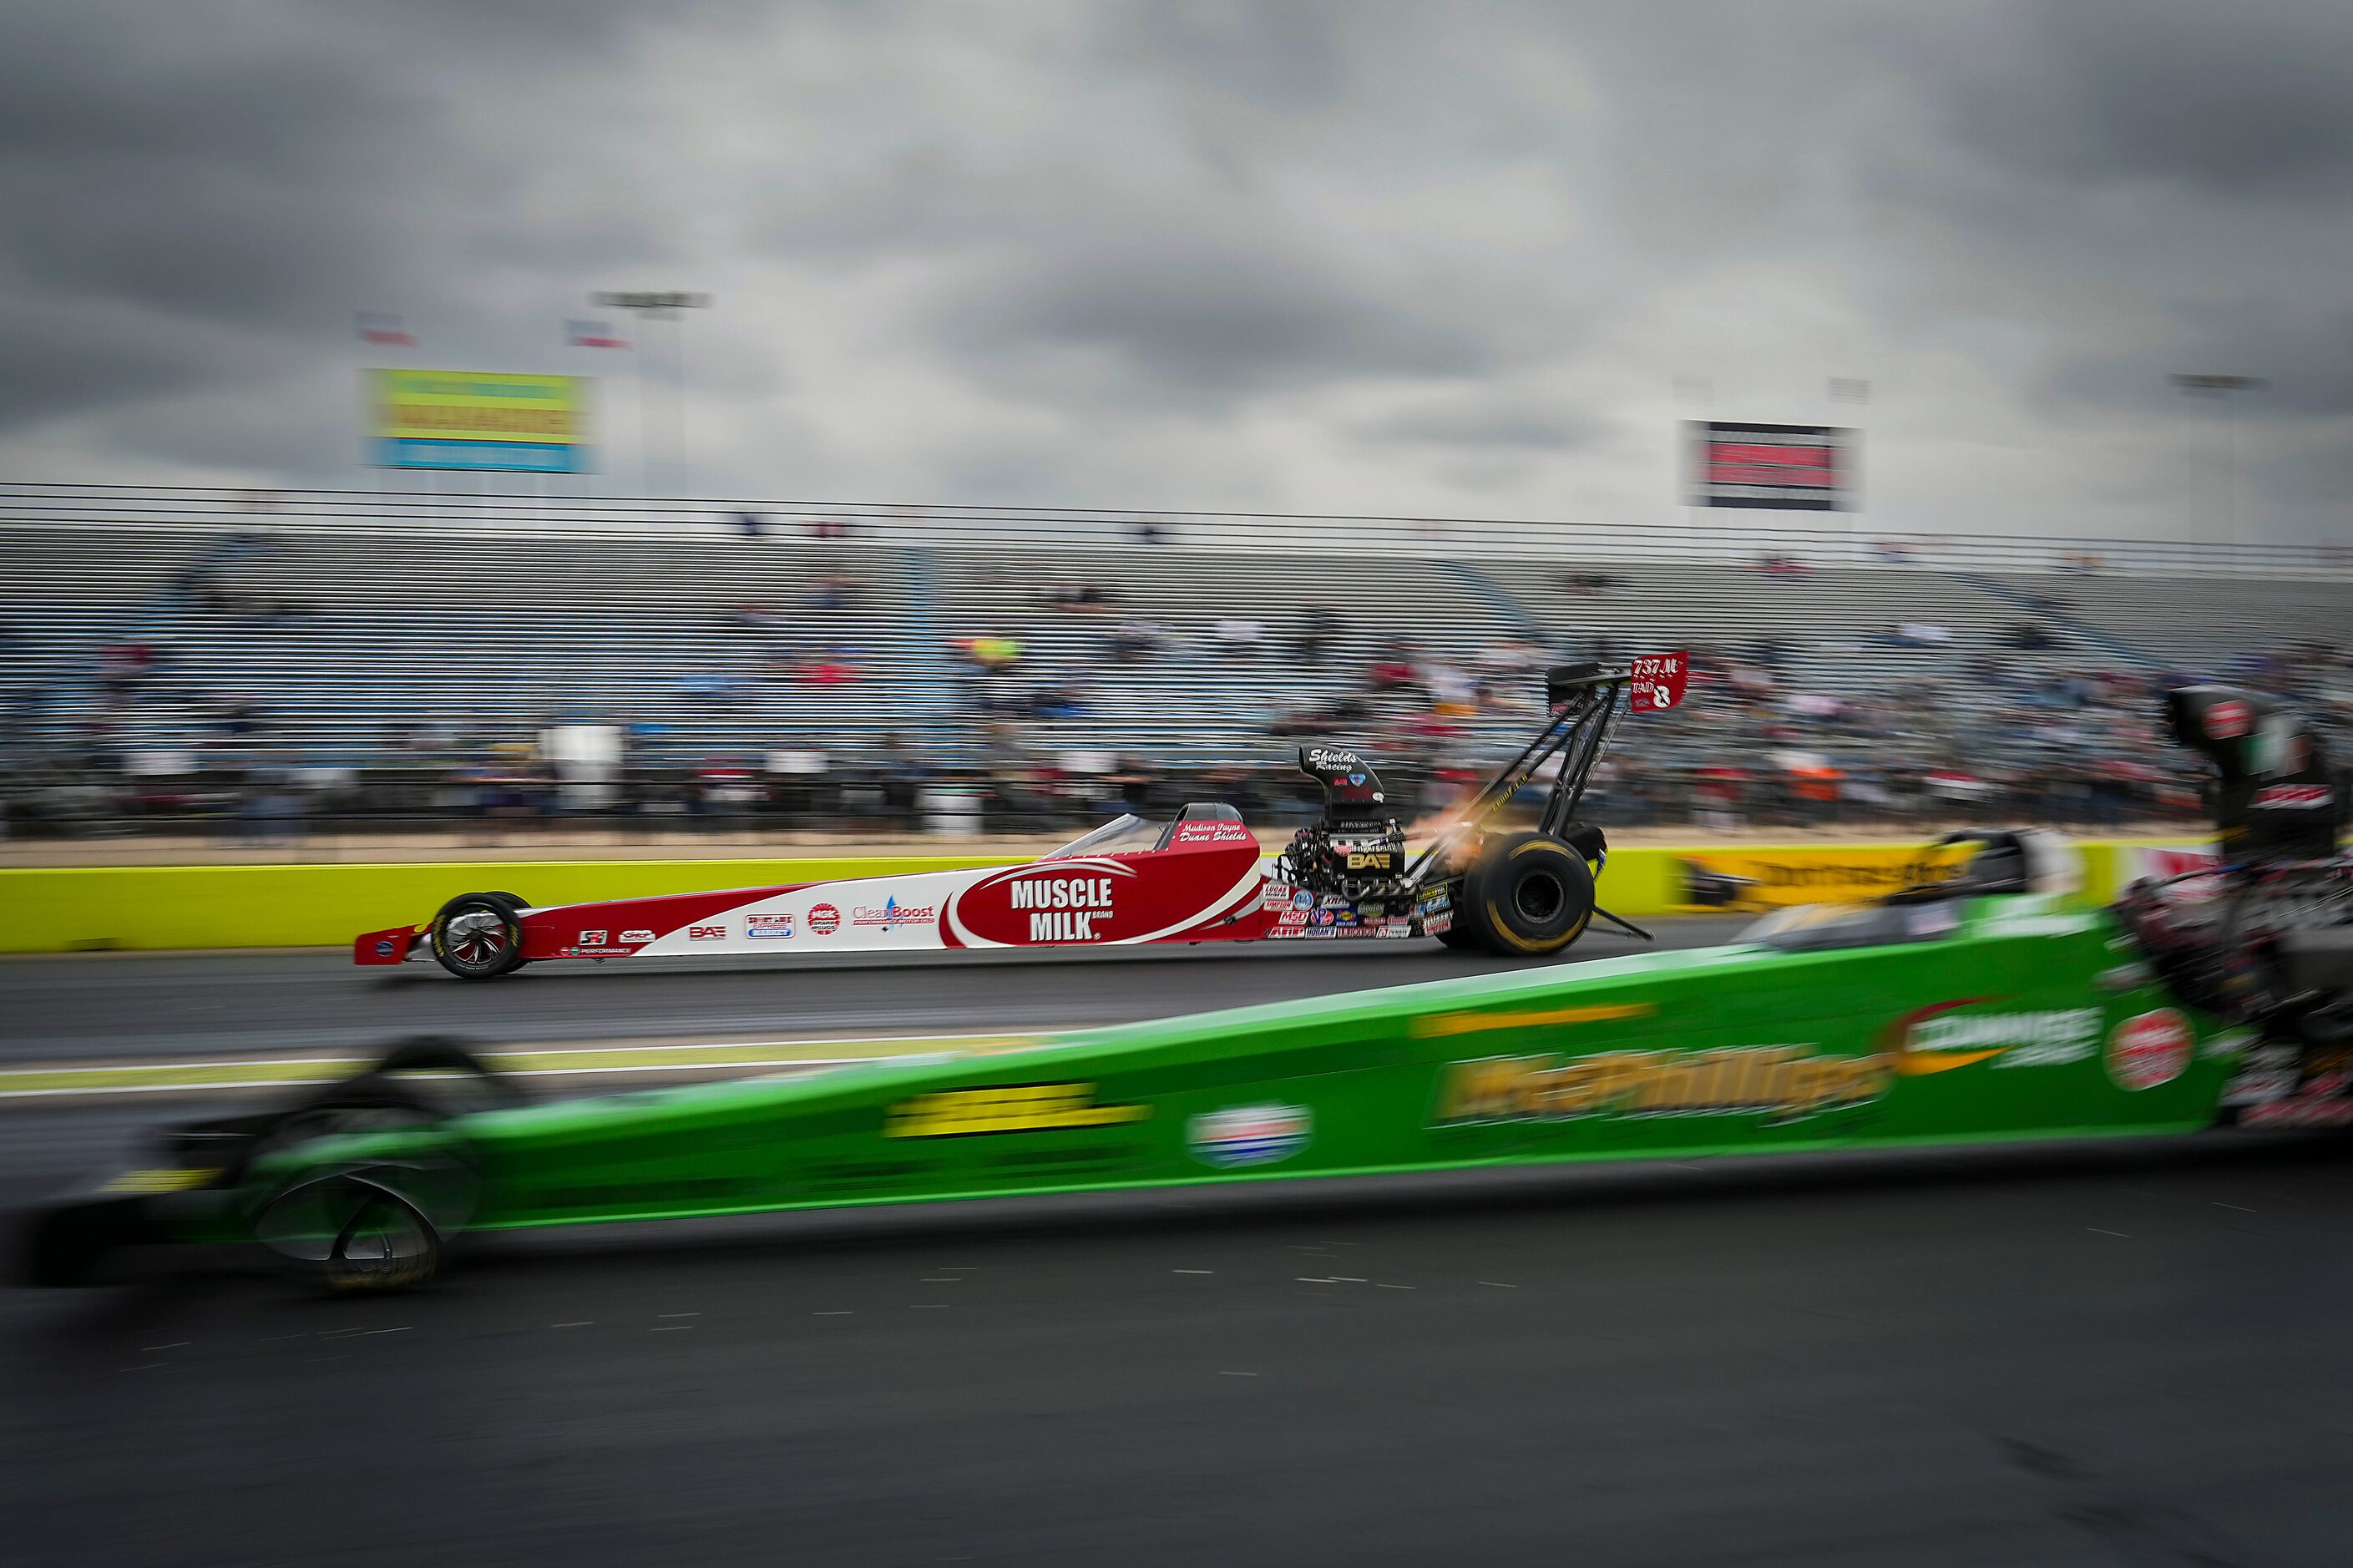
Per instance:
{"type": "Point", "coordinates": [1249, 1134]}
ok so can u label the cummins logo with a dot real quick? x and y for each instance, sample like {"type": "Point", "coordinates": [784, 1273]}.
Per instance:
{"type": "Point", "coordinates": [1940, 1037]}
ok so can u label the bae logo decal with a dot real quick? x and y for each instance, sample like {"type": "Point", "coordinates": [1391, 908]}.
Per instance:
{"type": "Point", "coordinates": [772, 927]}
{"type": "Point", "coordinates": [824, 918]}
{"type": "Point", "coordinates": [2150, 1049]}
{"type": "Point", "coordinates": [1248, 1135]}
{"type": "Point", "coordinates": [707, 933]}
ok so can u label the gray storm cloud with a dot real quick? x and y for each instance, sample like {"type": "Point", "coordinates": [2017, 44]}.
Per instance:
{"type": "Point", "coordinates": [1367, 257]}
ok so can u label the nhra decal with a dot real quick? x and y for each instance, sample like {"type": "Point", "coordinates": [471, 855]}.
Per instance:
{"type": "Point", "coordinates": [1940, 1037]}
{"type": "Point", "coordinates": [1788, 1083]}
{"type": "Point", "coordinates": [1008, 1108]}
{"type": "Point", "coordinates": [1248, 1135]}
{"type": "Point", "coordinates": [2150, 1049]}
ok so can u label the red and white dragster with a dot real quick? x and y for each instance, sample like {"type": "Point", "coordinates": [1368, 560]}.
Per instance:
{"type": "Point", "coordinates": [1200, 876]}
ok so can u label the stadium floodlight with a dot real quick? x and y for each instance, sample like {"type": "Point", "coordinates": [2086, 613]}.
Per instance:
{"type": "Point", "coordinates": [659, 305]}
{"type": "Point", "coordinates": [2221, 387]}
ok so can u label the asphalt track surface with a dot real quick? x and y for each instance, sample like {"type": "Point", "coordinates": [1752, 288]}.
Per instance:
{"type": "Point", "coordinates": [2101, 1354]}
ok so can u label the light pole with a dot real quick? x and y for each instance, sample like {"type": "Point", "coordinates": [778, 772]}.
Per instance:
{"type": "Point", "coordinates": [2221, 387]}
{"type": "Point", "coordinates": [659, 306]}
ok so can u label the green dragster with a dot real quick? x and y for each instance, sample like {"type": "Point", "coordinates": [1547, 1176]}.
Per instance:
{"type": "Point", "coordinates": [1991, 1007]}
{"type": "Point", "coordinates": [1966, 1019]}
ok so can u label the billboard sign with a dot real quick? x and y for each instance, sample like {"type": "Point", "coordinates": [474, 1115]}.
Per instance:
{"type": "Point", "coordinates": [478, 419]}
{"type": "Point", "coordinates": [1780, 467]}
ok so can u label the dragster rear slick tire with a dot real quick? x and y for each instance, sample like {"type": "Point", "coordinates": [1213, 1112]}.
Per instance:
{"type": "Point", "coordinates": [1529, 896]}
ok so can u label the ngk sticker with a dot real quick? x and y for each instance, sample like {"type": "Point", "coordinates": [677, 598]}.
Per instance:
{"type": "Point", "coordinates": [2150, 1049]}
{"type": "Point", "coordinates": [824, 918]}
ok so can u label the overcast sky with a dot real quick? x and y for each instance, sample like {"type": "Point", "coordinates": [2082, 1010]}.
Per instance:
{"type": "Point", "coordinates": [1460, 258]}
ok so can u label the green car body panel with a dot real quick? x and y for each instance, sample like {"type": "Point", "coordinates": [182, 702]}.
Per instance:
{"type": "Point", "coordinates": [2010, 1017]}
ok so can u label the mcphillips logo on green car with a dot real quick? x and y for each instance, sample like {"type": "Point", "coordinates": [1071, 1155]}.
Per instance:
{"type": "Point", "coordinates": [1786, 1082]}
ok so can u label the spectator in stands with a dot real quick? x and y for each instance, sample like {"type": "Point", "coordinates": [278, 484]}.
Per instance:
{"type": "Point", "coordinates": [832, 592]}
{"type": "Point", "coordinates": [1394, 669]}
{"type": "Point", "coordinates": [750, 524]}
{"type": "Point", "coordinates": [991, 655]}
{"type": "Point", "coordinates": [1134, 641]}
{"type": "Point", "coordinates": [1240, 636]}
{"type": "Point", "coordinates": [1320, 627]}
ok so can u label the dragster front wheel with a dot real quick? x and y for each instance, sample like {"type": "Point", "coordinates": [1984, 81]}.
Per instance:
{"type": "Point", "coordinates": [478, 936]}
{"type": "Point", "coordinates": [1529, 895]}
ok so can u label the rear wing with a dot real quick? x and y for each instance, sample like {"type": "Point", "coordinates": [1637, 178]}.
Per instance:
{"type": "Point", "coordinates": [1585, 709]}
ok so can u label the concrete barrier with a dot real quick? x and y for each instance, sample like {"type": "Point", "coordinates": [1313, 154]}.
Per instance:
{"type": "Point", "coordinates": [78, 909]}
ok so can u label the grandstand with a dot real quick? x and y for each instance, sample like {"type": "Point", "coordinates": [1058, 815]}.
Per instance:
{"type": "Point", "coordinates": [373, 631]}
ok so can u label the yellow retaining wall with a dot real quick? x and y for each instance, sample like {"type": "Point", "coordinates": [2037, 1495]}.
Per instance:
{"type": "Point", "coordinates": [71, 908]}
{"type": "Point", "coordinates": [84, 907]}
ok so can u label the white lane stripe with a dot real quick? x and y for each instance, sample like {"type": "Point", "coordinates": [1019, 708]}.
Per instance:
{"type": "Point", "coordinates": [810, 1062]}
{"type": "Point", "coordinates": [6, 1073]}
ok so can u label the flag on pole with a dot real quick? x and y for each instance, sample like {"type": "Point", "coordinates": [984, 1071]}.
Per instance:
{"type": "Point", "coordinates": [593, 335]}
{"type": "Point", "coordinates": [377, 327]}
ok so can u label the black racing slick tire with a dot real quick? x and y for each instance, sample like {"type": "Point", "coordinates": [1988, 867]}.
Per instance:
{"type": "Point", "coordinates": [478, 936]}
{"type": "Point", "coordinates": [1530, 895]}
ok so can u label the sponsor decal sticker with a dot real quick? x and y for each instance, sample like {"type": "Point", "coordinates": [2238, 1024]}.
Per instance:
{"type": "Point", "coordinates": [770, 928]}
{"type": "Point", "coordinates": [2293, 797]}
{"type": "Point", "coordinates": [1940, 1036]}
{"type": "Point", "coordinates": [2228, 1044]}
{"type": "Point", "coordinates": [1326, 917]}
{"type": "Point", "coordinates": [384, 947]}
{"type": "Point", "coordinates": [1248, 1135]}
{"type": "Point", "coordinates": [1783, 1083]}
{"type": "Point", "coordinates": [1438, 925]}
{"type": "Point", "coordinates": [1303, 900]}
{"type": "Point", "coordinates": [890, 915]}
{"type": "Point", "coordinates": [2150, 1049]}
{"type": "Point", "coordinates": [1277, 896]}
{"type": "Point", "coordinates": [2260, 1088]}
{"type": "Point", "coordinates": [1008, 1108]}
{"type": "Point", "coordinates": [2229, 720]}
{"type": "Point", "coordinates": [824, 918]}
{"type": "Point", "coordinates": [2303, 1110]}
{"type": "Point", "coordinates": [709, 933]}
{"type": "Point", "coordinates": [640, 935]}
{"type": "Point", "coordinates": [593, 938]}
{"type": "Point", "coordinates": [1063, 908]}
